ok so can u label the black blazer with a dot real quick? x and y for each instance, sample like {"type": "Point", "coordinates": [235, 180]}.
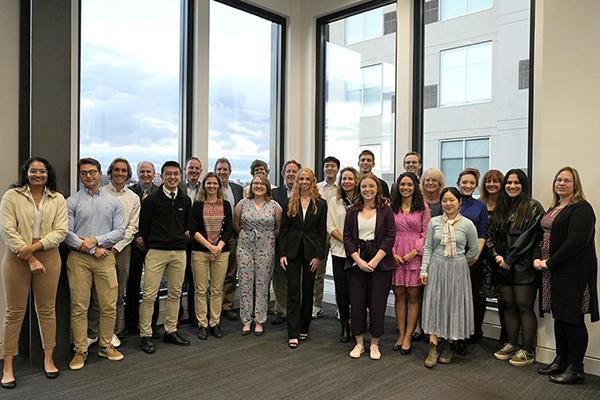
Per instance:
{"type": "Point", "coordinates": [385, 235]}
{"type": "Point", "coordinates": [280, 195]}
{"type": "Point", "coordinates": [310, 232]}
{"type": "Point", "coordinates": [197, 225]}
{"type": "Point", "coordinates": [238, 193]}
{"type": "Point", "coordinates": [137, 189]}
{"type": "Point", "coordinates": [572, 263]}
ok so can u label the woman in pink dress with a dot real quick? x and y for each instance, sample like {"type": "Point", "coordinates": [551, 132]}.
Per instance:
{"type": "Point", "coordinates": [411, 215]}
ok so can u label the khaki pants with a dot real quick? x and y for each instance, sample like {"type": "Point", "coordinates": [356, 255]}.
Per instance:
{"type": "Point", "coordinates": [207, 271]}
{"type": "Point", "coordinates": [18, 280]}
{"type": "Point", "coordinates": [84, 270]}
{"type": "Point", "coordinates": [157, 261]}
{"type": "Point", "coordinates": [122, 264]}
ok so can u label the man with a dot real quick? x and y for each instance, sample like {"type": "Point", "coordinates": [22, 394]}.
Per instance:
{"type": "Point", "coordinates": [193, 172]}
{"type": "Point", "coordinates": [164, 220]}
{"type": "Point", "coordinates": [96, 224]}
{"type": "Point", "coordinates": [257, 167]}
{"type": "Point", "coordinates": [412, 163]}
{"type": "Point", "coordinates": [328, 189]}
{"type": "Point", "coordinates": [143, 188]}
{"type": "Point", "coordinates": [366, 162]}
{"type": "Point", "coordinates": [281, 195]}
{"type": "Point", "coordinates": [233, 193]}
{"type": "Point", "coordinates": [119, 173]}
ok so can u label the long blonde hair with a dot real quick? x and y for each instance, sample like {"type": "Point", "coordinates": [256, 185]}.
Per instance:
{"type": "Point", "coordinates": [577, 187]}
{"type": "Point", "coordinates": [294, 205]}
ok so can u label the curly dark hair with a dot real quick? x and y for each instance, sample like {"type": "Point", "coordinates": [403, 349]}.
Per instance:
{"type": "Point", "coordinates": [417, 203]}
{"type": "Point", "coordinates": [23, 172]}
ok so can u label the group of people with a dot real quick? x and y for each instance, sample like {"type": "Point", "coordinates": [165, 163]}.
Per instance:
{"type": "Point", "coordinates": [442, 251]}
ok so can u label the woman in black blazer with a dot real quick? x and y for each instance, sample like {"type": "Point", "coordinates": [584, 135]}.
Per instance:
{"type": "Point", "coordinates": [567, 259]}
{"type": "Point", "coordinates": [369, 234]}
{"type": "Point", "coordinates": [302, 244]}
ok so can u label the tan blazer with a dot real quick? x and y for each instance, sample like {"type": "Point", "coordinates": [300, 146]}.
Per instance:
{"type": "Point", "coordinates": [16, 218]}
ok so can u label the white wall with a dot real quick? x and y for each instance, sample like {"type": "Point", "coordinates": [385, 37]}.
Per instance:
{"type": "Point", "coordinates": [9, 107]}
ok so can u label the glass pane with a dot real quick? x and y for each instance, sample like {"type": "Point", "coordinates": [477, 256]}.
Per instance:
{"type": "Point", "coordinates": [130, 80]}
{"type": "Point", "coordinates": [242, 89]}
{"type": "Point", "coordinates": [452, 8]}
{"type": "Point", "coordinates": [477, 69]}
{"type": "Point", "coordinates": [452, 149]}
{"type": "Point", "coordinates": [451, 168]}
{"type": "Point", "coordinates": [350, 126]}
{"type": "Point", "coordinates": [354, 29]}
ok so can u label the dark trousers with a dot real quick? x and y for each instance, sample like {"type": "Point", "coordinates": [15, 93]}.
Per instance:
{"type": "Point", "coordinates": [132, 293]}
{"type": "Point", "coordinates": [230, 283]}
{"type": "Point", "coordinates": [189, 287]}
{"type": "Point", "coordinates": [479, 302]}
{"type": "Point", "coordinates": [300, 287]}
{"type": "Point", "coordinates": [342, 290]}
{"type": "Point", "coordinates": [368, 290]}
{"type": "Point", "coordinates": [571, 342]}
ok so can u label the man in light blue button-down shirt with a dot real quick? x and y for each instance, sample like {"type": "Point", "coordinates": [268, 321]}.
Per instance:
{"type": "Point", "coordinates": [96, 224]}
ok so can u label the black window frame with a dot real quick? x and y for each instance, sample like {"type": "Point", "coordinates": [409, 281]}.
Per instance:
{"type": "Point", "coordinates": [320, 100]}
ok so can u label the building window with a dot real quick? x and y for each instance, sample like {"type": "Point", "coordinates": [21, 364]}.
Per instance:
{"type": "Point", "coordinates": [523, 74]}
{"type": "Point", "coordinates": [130, 81]}
{"type": "Point", "coordinates": [466, 75]}
{"type": "Point", "coordinates": [431, 11]}
{"type": "Point", "coordinates": [364, 26]}
{"type": "Point", "coordinates": [367, 90]}
{"type": "Point", "coordinates": [245, 60]}
{"type": "Point", "coordinates": [389, 23]}
{"type": "Point", "coordinates": [457, 8]}
{"type": "Point", "coordinates": [456, 155]}
{"type": "Point", "coordinates": [430, 96]}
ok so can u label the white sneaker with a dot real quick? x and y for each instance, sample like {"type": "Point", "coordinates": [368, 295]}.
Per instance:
{"type": "Point", "coordinates": [115, 341]}
{"type": "Point", "coordinates": [91, 341]}
{"type": "Point", "coordinates": [316, 312]}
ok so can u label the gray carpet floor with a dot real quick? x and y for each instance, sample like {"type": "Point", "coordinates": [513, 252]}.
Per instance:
{"type": "Point", "coordinates": [250, 367]}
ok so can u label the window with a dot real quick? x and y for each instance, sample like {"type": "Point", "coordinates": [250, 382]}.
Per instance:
{"type": "Point", "coordinates": [245, 88]}
{"type": "Point", "coordinates": [130, 80]}
{"type": "Point", "coordinates": [356, 89]}
{"type": "Point", "coordinates": [466, 74]}
{"type": "Point", "coordinates": [457, 8]}
{"type": "Point", "coordinates": [430, 96]}
{"type": "Point", "coordinates": [364, 26]}
{"type": "Point", "coordinates": [457, 155]}
{"type": "Point", "coordinates": [389, 23]}
{"type": "Point", "coordinates": [431, 11]}
{"type": "Point", "coordinates": [524, 74]}
{"type": "Point", "coordinates": [479, 113]}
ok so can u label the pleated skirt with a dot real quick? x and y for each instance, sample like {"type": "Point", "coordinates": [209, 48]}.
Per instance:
{"type": "Point", "coordinates": [447, 299]}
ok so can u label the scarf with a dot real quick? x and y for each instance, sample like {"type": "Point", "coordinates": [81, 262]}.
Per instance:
{"type": "Point", "coordinates": [449, 235]}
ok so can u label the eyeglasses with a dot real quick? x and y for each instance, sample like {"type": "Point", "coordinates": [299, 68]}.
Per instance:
{"type": "Point", "coordinates": [37, 171]}
{"type": "Point", "coordinates": [91, 172]}
{"type": "Point", "coordinates": [563, 180]}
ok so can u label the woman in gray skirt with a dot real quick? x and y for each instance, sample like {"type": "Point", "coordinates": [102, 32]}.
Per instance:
{"type": "Point", "coordinates": [450, 246]}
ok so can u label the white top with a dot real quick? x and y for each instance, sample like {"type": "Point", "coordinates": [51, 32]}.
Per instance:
{"type": "Point", "coordinates": [327, 191]}
{"type": "Point", "coordinates": [304, 212]}
{"type": "Point", "coordinates": [366, 227]}
{"type": "Point", "coordinates": [336, 216]}
{"type": "Point", "coordinates": [131, 213]}
{"type": "Point", "coordinates": [37, 217]}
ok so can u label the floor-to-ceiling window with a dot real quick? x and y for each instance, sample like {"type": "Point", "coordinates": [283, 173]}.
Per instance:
{"type": "Point", "coordinates": [245, 86]}
{"type": "Point", "coordinates": [356, 85]}
{"type": "Point", "coordinates": [131, 80]}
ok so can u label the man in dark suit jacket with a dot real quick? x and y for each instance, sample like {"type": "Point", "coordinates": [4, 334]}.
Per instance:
{"type": "Point", "coordinates": [144, 187]}
{"type": "Point", "coordinates": [233, 193]}
{"type": "Point", "coordinates": [366, 162]}
{"type": "Point", "coordinates": [281, 195]}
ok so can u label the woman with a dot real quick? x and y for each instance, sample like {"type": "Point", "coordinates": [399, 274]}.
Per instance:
{"type": "Point", "coordinates": [369, 233]}
{"type": "Point", "coordinates": [476, 211]}
{"type": "Point", "coordinates": [451, 245]}
{"type": "Point", "coordinates": [302, 244]}
{"type": "Point", "coordinates": [411, 216]}
{"type": "Point", "coordinates": [34, 222]}
{"type": "Point", "coordinates": [211, 228]}
{"type": "Point", "coordinates": [257, 219]}
{"type": "Point", "coordinates": [514, 234]}
{"type": "Point", "coordinates": [567, 259]}
{"type": "Point", "coordinates": [490, 191]}
{"type": "Point", "coordinates": [432, 183]}
{"type": "Point", "coordinates": [336, 216]}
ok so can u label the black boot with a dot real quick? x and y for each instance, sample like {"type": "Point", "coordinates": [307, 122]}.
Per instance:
{"type": "Point", "coordinates": [570, 375]}
{"type": "Point", "coordinates": [345, 333]}
{"type": "Point", "coordinates": [460, 347]}
{"type": "Point", "coordinates": [557, 366]}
